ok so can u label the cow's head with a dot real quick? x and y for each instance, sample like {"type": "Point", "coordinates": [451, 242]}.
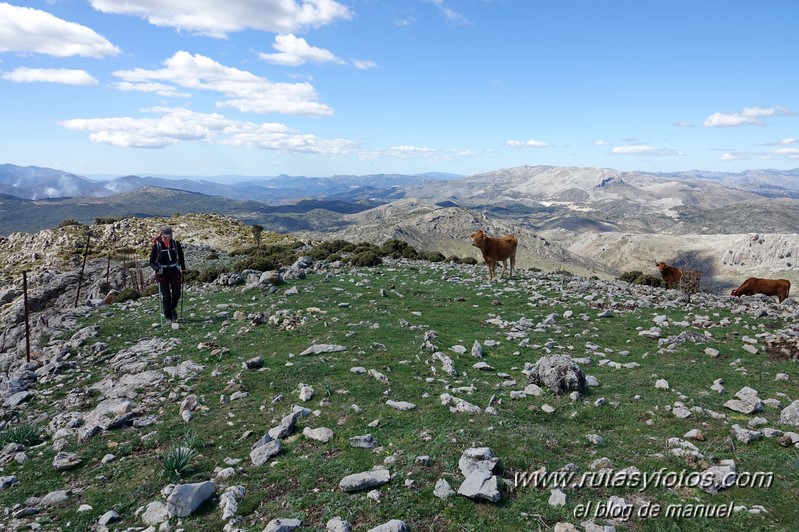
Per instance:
{"type": "Point", "coordinates": [477, 237]}
{"type": "Point", "coordinates": [661, 266]}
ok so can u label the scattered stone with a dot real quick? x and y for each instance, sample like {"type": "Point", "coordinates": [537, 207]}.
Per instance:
{"type": "Point", "coordinates": [109, 517]}
{"type": "Point", "coordinates": [557, 498]}
{"type": "Point", "coordinates": [745, 435]}
{"type": "Point", "coordinates": [400, 405]}
{"type": "Point", "coordinates": [747, 403]}
{"type": "Point", "coordinates": [321, 434]}
{"type": "Point", "coordinates": [64, 461]}
{"type": "Point", "coordinates": [695, 434]}
{"type": "Point", "coordinates": [790, 414]}
{"type": "Point", "coordinates": [367, 441]}
{"type": "Point", "coordinates": [262, 452]}
{"type": "Point", "coordinates": [480, 484]}
{"type": "Point", "coordinates": [477, 350]}
{"type": "Point", "coordinates": [186, 498]}
{"type": "Point", "coordinates": [477, 458]}
{"type": "Point", "coordinates": [559, 373]}
{"type": "Point", "coordinates": [395, 525]}
{"type": "Point", "coordinates": [282, 525]}
{"type": "Point", "coordinates": [365, 480]}
{"type": "Point", "coordinates": [596, 439]}
{"type": "Point", "coordinates": [337, 524]}
{"type": "Point", "coordinates": [323, 348]}
{"type": "Point", "coordinates": [443, 490]}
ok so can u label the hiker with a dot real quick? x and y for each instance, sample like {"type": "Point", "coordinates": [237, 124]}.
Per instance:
{"type": "Point", "coordinates": [166, 259]}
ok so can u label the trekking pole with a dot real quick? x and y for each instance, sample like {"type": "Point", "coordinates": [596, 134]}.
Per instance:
{"type": "Point", "coordinates": [183, 297]}
{"type": "Point", "coordinates": [160, 300]}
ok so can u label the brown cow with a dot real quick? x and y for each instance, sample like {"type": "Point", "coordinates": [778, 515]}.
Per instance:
{"type": "Point", "coordinates": [671, 275]}
{"type": "Point", "coordinates": [769, 287]}
{"type": "Point", "coordinates": [496, 249]}
{"type": "Point", "coordinates": [685, 279]}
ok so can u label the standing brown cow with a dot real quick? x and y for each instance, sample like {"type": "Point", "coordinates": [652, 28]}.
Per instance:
{"type": "Point", "coordinates": [496, 249]}
{"type": "Point", "coordinates": [768, 287]}
{"type": "Point", "coordinates": [687, 280]}
{"type": "Point", "coordinates": [671, 275]}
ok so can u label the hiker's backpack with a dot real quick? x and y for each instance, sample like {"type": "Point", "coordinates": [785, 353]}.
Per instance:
{"type": "Point", "coordinates": [171, 250]}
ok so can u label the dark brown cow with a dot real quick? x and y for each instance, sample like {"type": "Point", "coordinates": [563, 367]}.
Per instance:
{"type": "Point", "coordinates": [769, 287]}
{"type": "Point", "coordinates": [684, 279]}
{"type": "Point", "coordinates": [671, 275]}
{"type": "Point", "coordinates": [496, 249]}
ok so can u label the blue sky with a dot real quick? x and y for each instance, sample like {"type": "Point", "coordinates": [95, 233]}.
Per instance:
{"type": "Point", "coordinates": [324, 87]}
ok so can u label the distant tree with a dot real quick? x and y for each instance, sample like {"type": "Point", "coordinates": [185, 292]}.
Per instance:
{"type": "Point", "coordinates": [68, 222]}
{"type": "Point", "coordinates": [256, 232]}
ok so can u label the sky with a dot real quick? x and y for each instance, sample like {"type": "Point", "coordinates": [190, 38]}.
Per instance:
{"type": "Point", "coordinates": [329, 87]}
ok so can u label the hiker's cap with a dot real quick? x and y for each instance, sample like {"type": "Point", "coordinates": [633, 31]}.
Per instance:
{"type": "Point", "coordinates": [166, 231]}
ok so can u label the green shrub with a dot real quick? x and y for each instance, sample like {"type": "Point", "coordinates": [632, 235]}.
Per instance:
{"type": "Point", "coordinates": [106, 220]}
{"type": "Point", "coordinates": [150, 290]}
{"type": "Point", "coordinates": [638, 277]}
{"type": "Point", "coordinates": [650, 280]}
{"type": "Point", "coordinates": [127, 293]}
{"type": "Point", "coordinates": [67, 222]}
{"type": "Point", "coordinates": [366, 259]}
{"type": "Point", "coordinates": [432, 256]}
{"type": "Point", "coordinates": [365, 246]}
{"type": "Point", "coordinates": [631, 276]}
{"type": "Point", "coordinates": [323, 250]}
{"type": "Point", "coordinates": [207, 275]}
{"type": "Point", "coordinates": [468, 260]}
{"type": "Point", "coordinates": [396, 249]}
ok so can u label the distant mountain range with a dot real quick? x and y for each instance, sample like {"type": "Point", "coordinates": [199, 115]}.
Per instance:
{"type": "Point", "coordinates": [36, 183]}
{"type": "Point", "coordinates": [590, 220]}
{"type": "Point", "coordinates": [540, 198]}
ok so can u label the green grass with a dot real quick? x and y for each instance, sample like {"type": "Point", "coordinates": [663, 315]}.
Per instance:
{"type": "Point", "coordinates": [386, 334]}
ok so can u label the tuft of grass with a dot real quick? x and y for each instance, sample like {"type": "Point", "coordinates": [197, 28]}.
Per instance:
{"type": "Point", "coordinates": [26, 435]}
{"type": "Point", "coordinates": [177, 462]}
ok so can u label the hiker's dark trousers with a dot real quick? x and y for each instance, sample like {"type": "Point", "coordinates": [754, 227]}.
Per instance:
{"type": "Point", "coordinates": [169, 284]}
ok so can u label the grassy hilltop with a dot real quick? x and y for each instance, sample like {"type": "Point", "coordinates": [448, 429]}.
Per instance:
{"type": "Point", "coordinates": [383, 317]}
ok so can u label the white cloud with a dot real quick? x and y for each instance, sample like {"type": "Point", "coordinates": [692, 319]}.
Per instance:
{"type": "Point", "coordinates": [217, 18]}
{"type": "Point", "coordinates": [730, 157]}
{"type": "Point", "coordinates": [363, 64]}
{"type": "Point", "coordinates": [158, 88]}
{"type": "Point", "coordinates": [449, 13]}
{"type": "Point", "coordinates": [24, 29]}
{"type": "Point", "coordinates": [176, 125]}
{"type": "Point", "coordinates": [684, 123]}
{"type": "Point", "coordinates": [293, 51]}
{"type": "Point", "coordinates": [50, 75]}
{"type": "Point", "coordinates": [788, 153]}
{"type": "Point", "coordinates": [601, 143]}
{"type": "Point", "coordinates": [414, 152]}
{"type": "Point", "coordinates": [789, 141]}
{"type": "Point", "coordinates": [526, 143]}
{"type": "Point", "coordinates": [643, 150]}
{"type": "Point", "coordinates": [243, 90]}
{"type": "Point", "coordinates": [749, 116]}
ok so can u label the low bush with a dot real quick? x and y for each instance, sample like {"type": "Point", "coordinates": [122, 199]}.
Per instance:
{"type": "Point", "coordinates": [366, 259]}
{"type": "Point", "coordinates": [127, 293]}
